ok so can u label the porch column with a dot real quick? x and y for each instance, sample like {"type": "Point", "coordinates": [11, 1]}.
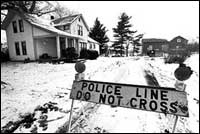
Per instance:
{"type": "Point", "coordinates": [58, 45]}
{"type": "Point", "coordinates": [66, 42]}
{"type": "Point", "coordinates": [74, 43]}
{"type": "Point", "coordinates": [77, 44]}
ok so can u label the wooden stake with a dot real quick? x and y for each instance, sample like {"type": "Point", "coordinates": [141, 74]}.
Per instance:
{"type": "Point", "coordinates": [78, 77]}
{"type": "Point", "coordinates": [179, 85]}
{"type": "Point", "coordinates": [70, 116]}
{"type": "Point", "coordinates": [174, 127]}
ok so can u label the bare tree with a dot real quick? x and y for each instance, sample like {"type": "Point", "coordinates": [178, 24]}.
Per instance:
{"type": "Point", "coordinates": [61, 11]}
{"type": "Point", "coordinates": [38, 8]}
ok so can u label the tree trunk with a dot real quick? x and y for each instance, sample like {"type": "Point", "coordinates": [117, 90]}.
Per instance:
{"type": "Point", "coordinates": [133, 49]}
{"type": "Point", "coordinates": [121, 50]}
{"type": "Point", "coordinates": [127, 51]}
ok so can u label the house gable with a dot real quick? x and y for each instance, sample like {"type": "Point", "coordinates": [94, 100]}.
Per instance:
{"type": "Point", "coordinates": [68, 20]}
{"type": "Point", "coordinates": [159, 45]}
{"type": "Point", "coordinates": [79, 22]}
{"type": "Point", "coordinates": [179, 40]}
{"type": "Point", "coordinates": [25, 36]}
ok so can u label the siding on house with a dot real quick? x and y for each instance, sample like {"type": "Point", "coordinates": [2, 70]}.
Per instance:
{"type": "Point", "coordinates": [40, 32]}
{"type": "Point", "coordinates": [178, 43]}
{"type": "Point", "coordinates": [159, 45]}
{"type": "Point", "coordinates": [19, 37]}
{"type": "Point", "coordinates": [46, 45]}
{"type": "Point", "coordinates": [74, 28]}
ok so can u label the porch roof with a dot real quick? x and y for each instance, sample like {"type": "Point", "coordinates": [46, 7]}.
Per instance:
{"type": "Point", "coordinates": [92, 40]}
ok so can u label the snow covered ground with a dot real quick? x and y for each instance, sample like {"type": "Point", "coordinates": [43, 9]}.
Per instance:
{"type": "Point", "coordinates": [25, 88]}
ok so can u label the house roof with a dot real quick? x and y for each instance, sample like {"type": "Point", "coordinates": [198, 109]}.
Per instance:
{"type": "Point", "coordinates": [67, 20]}
{"type": "Point", "coordinates": [154, 40]}
{"type": "Point", "coordinates": [92, 40]}
{"type": "Point", "coordinates": [179, 37]}
{"type": "Point", "coordinates": [36, 21]}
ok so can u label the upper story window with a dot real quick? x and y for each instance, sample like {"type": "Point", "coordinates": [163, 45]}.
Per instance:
{"type": "Point", "coordinates": [21, 26]}
{"type": "Point", "coordinates": [80, 30]}
{"type": "Point", "coordinates": [150, 47]}
{"type": "Point", "coordinates": [17, 48]}
{"type": "Point", "coordinates": [66, 27]}
{"type": "Point", "coordinates": [94, 46]}
{"type": "Point", "coordinates": [178, 40]}
{"type": "Point", "coordinates": [14, 24]}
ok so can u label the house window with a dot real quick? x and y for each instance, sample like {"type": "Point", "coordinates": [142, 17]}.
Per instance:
{"type": "Point", "coordinates": [178, 40]}
{"type": "Point", "coordinates": [79, 19]}
{"type": "Point", "coordinates": [17, 48]}
{"type": "Point", "coordinates": [14, 23]}
{"type": "Point", "coordinates": [94, 46]}
{"type": "Point", "coordinates": [81, 45]}
{"type": "Point", "coordinates": [164, 47]}
{"type": "Point", "coordinates": [66, 27]}
{"type": "Point", "coordinates": [21, 26]}
{"type": "Point", "coordinates": [80, 30]}
{"type": "Point", "coordinates": [150, 47]}
{"type": "Point", "coordinates": [24, 52]}
{"type": "Point", "coordinates": [85, 45]}
{"type": "Point", "coordinates": [90, 46]}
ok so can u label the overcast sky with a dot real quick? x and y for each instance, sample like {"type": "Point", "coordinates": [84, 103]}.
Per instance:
{"type": "Point", "coordinates": [157, 19]}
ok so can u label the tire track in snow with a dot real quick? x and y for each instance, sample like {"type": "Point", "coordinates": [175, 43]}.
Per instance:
{"type": "Point", "coordinates": [114, 119]}
{"type": "Point", "coordinates": [143, 120]}
{"type": "Point", "coordinates": [78, 120]}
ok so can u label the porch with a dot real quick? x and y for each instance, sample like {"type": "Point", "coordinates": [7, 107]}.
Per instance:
{"type": "Point", "coordinates": [54, 46]}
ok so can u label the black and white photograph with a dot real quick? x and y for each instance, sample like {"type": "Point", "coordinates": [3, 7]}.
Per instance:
{"type": "Point", "coordinates": [99, 66]}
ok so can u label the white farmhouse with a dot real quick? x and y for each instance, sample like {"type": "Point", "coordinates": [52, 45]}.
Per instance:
{"type": "Point", "coordinates": [29, 36]}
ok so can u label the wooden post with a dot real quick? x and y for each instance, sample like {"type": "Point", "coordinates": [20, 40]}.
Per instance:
{"type": "Point", "coordinates": [58, 46]}
{"type": "Point", "coordinates": [70, 116]}
{"type": "Point", "coordinates": [79, 67]}
{"type": "Point", "coordinates": [174, 127]}
{"type": "Point", "coordinates": [179, 85]}
{"type": "Point", "coordinates": [182, 73]}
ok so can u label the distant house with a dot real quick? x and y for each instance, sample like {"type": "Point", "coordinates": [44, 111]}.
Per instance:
{"type": "Point", "coordinates": [29, 36]}
{"type": "Point", "coordinates": [177, 45]}
{"type": "Point", "coordinates": [159, 45]}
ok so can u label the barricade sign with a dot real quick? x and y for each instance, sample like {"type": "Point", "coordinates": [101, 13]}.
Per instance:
{"type": "Point", "coordinates": [155, 99]}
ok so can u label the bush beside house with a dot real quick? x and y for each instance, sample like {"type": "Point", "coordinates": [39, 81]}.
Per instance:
{"type": "Point", "coordinates": [88, 54]}
{"type": "Point", "coordinates": [70, 53]}
{"type": "Point", "coordinates": [4, 52]}
{"type": "Point", "coordinates": [4, 56]}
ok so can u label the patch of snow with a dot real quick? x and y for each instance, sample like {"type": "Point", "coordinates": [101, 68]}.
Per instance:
{"type": "Point", "coordinates": [30, 85]}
